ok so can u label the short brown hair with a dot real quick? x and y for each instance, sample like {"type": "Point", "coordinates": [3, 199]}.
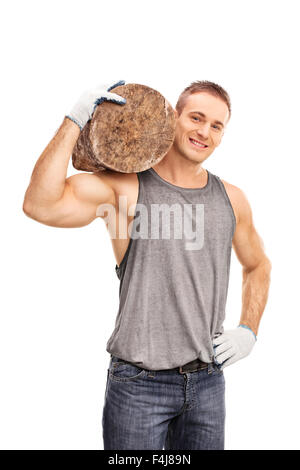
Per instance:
{"type": "Point", "coordinates": [203, 85]}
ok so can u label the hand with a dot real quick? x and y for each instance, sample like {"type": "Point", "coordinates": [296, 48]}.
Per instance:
{"type": "Point", "coordinates": [83, 110]}
{"type": "Point", "coordinates": [233, 345]}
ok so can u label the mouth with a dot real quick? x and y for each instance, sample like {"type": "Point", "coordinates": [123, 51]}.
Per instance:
{"type": "Point", "coordinates": [197, 143]}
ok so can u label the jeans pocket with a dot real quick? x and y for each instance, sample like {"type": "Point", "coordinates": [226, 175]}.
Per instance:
{"type": "Point", "coordinates": [124, 372]}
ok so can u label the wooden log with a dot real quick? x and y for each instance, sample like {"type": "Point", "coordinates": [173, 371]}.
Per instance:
{"type": "Point", "coordinates": [127, 138]}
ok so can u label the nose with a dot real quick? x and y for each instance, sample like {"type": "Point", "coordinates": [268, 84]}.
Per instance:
{"type": "Point", "coordinates": [203, 131]}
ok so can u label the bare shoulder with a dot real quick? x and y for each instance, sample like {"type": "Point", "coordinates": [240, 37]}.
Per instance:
{"type": "Point", "coordinates": [239, 201]}
{"type": "Point", "coordinates": [116, 180]}
{"type": "Point", "coordinates": [121, 184]}
{"type": "Point", "coordinates": [103, 186]}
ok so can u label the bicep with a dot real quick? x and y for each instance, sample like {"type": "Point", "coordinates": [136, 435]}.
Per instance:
{"type": "Point", "coordinates": [247, 243]}
{"type": "Point", "coordinates": [78, 206]}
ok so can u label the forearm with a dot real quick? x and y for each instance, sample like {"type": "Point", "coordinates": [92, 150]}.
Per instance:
{"type": "Point", "coordinates": [255, 294]}
{"type": "Point", "coordinates": [48, 178]}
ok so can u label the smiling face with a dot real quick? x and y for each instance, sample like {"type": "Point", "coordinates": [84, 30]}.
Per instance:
{"type": "Point", "coordinates": [200, 126]}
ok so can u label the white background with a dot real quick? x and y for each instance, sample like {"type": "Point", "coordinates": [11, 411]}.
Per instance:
{"type": "Point", "coordinates": [59, 289]}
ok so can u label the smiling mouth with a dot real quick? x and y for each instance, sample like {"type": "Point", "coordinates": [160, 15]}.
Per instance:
{"type": "Point", "coordinates": [198, 144]}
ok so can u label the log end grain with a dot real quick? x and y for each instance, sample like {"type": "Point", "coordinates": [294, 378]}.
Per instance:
{"type": "Point", "coordinates": [127, 138]}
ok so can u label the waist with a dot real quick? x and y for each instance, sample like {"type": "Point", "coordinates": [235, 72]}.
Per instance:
{"type": "Point", "coordinates": [192, 366]}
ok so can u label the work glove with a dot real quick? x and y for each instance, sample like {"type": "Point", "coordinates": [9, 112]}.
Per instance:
{"type": "Point", "coordinates": [233, 345]}
{"type": "Point", "coordinates": [83, 110]}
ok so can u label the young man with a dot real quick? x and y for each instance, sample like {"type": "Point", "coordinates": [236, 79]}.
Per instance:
{"type": "Point", "coordinates": [165, 384]}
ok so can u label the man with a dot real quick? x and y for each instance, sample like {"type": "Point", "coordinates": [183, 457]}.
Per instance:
{"type": "Point", "coordinates": [165, 384]}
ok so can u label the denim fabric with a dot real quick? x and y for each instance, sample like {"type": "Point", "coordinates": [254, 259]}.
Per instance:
{"type": "Point", "coordinates": [156, 410]}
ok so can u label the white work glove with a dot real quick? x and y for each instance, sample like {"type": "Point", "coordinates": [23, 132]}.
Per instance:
{"type": "Point", "coordinates": [233, 345]}
{"type": "Point", "coordinates": [83, 110]}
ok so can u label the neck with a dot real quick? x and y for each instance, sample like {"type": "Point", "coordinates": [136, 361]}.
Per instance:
{"type": "Point", "coordinates": [180, 171]}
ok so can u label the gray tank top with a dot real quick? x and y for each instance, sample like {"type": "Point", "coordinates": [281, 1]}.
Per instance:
{"type": "Point", "coordinates": [174, 274]}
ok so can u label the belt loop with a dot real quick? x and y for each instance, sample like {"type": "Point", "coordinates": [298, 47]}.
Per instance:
{"type": "Point", "coordinates": [210, 367]}
{"type": "Point", "coordinates": [151, 374]}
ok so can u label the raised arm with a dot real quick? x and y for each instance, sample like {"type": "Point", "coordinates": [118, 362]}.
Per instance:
{"type": "Point", "coordinates": [52, 198]}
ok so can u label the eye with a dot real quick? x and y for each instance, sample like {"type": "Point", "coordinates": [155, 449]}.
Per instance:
{"type": "Point", "coordinates": [198, 118]}
{"type": "Point", "coordinates": [216, 127]}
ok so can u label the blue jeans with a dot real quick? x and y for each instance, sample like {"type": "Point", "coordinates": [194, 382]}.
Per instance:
{"type": "Point", "coordinates": [156, 410]}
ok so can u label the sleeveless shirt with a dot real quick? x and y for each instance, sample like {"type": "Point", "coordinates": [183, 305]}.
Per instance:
{"type": "Point", "coordinates": [174, 274]}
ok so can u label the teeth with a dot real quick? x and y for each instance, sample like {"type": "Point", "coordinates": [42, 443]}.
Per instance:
{"type": "Point", "coordinates": [197, 143]}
